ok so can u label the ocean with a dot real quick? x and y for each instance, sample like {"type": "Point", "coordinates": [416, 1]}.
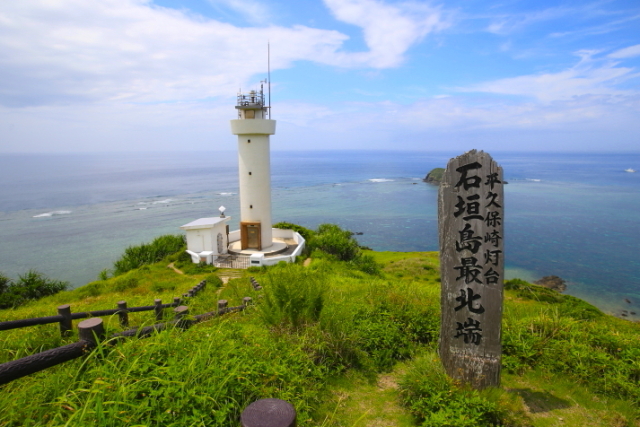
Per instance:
{"type": "Point", "coordinates": [576, 216]}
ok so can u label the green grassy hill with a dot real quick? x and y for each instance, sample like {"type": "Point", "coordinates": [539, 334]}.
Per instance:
{"type": "Point", "coordinates": [345, 347]}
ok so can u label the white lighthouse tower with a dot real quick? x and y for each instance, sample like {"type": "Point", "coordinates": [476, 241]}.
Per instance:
{"type": "Point", "coordinates": [256, 243]}
{"type": "Point", "coordinates": [253, 128]}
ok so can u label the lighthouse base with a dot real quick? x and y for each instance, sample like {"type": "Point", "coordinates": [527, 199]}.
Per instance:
{"type": "Point", "coordinates": [277, 246]}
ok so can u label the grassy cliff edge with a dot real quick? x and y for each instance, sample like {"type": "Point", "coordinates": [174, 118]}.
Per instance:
{"type": "Point", "coordinates": [345, 345]}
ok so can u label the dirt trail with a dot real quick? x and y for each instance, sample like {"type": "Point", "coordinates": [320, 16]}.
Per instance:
{"type": "Point", "coordinates": [173, 267]}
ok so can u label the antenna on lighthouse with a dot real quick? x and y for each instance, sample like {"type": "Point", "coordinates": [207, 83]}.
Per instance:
{"type": "Point", "coordinates": [269, 75]}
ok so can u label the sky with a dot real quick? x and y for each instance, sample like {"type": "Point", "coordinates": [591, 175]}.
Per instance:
{"type": "Point", "coordinates": [163, 75]}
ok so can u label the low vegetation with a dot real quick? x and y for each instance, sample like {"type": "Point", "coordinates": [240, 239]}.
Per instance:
{"type": "Point", "coordinates": [345, 345]}
{"type": "Point", "coordinates": [30, 286]}
{"type": "Point", "coordinates": [145, 254]}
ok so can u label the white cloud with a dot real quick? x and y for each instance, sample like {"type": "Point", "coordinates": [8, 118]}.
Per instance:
{"type": "Point", "coordinates": [389, 30]}
{"type": "Point", "coordinates": [585, 123]}
{"type": "Point", "coordinates": [80, 51]}
{"type": "Point", "coordinates": [91, 51]}
{"type": "Point", "coordinates": [627, 52]}
{"type": "Point", "coordinates": [588, 77]}
{"type": "Point", "coordinates": [252, 10]}
{"type": "Point", "coordinates": [504, 24]}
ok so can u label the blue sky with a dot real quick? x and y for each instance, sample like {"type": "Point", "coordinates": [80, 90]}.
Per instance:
{"type": "Point", "coordinates": [142, 75]}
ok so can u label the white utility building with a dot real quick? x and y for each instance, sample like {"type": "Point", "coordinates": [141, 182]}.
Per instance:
{"type": "Point", "coordinates": [207, 238]}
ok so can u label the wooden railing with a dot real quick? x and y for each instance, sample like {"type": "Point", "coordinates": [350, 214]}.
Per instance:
{"type": "Point", "coordinates": [91, 332]}
{"type": "Point", "coordinates": [65, 316]}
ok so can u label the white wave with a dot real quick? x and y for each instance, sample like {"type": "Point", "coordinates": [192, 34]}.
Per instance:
{"type": "Point", "coordinates": [226, 194]}
{"type": "Point", "coordinates": [48, 214]}
{"type": "Point", "coordinates": [157, 202]}
{"type": "Point", "coordinates": [141, 209]}
{"type": "Point", "coordinates": [380, 180]}
{"type": "Point", "coordinates": [533, 179]}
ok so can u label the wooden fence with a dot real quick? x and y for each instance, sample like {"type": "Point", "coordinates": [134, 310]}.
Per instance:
{"type": "Point", "coordinates": [262, 413]}
{"type": "Point", "coordinates": [91, 332]}
{"type": "Point", "coordinates": [65, 316]}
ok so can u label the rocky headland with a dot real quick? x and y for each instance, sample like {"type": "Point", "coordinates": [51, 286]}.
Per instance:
{"type": "Point", "coordinates": [552, 282]}
{"type": "Point", "coordinates": [435, 176]}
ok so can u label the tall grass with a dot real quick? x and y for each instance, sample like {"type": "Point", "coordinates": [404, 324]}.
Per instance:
{"type": "Point", "coordinates": [293, 298]}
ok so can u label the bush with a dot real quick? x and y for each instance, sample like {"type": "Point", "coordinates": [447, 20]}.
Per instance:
{"type": "Point", "coordinates": [515, 284]}
{"type": "Point", "coordinates": [30, 286]}
{"type": "Point", "coordinates": [137, 256]}
{"type": "Point", "coordinates": [366, 264]}
{"type": "Point", "coordinates": [335, 241]}
{"type": "Point", "coordinates": [294, 297]}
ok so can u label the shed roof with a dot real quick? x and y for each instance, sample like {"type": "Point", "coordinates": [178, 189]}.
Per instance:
{"type": "Point", "coordinates": [204, 223]}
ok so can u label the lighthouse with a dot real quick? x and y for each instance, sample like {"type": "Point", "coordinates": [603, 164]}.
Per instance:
{"type": "Point", "coordinates": [253, 128]}
{"type": "Point", "coordinates": [256, 243]}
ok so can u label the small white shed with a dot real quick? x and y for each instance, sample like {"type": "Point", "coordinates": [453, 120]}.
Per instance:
{"type": "Point", "coordinates": [207, 238]}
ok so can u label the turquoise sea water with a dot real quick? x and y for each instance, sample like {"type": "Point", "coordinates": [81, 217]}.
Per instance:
{"type": "Point", "coordinates": [573, 215]}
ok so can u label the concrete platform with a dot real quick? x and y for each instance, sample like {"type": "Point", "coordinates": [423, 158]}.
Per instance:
{"type": "Point", "coordinates": [278, 246]}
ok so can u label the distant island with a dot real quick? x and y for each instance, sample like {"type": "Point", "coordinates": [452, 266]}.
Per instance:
{"type": "Point", "coordinates": [435, 176]}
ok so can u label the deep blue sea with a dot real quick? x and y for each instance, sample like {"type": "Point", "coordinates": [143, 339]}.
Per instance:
{"type": "Point", "coordinates": [572, 215]}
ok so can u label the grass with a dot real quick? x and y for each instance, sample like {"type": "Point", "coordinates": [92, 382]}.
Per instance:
{"type": "Point", "coordinates": [356, 349]}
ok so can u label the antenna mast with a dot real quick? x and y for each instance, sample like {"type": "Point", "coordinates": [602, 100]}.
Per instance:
{"type": "Point", "coordinates": [269, 76]}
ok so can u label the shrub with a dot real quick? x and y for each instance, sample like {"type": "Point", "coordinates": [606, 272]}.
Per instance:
{"type": "Point", "coordinates": [104, 274]}
{"type": "Point", "coordinates": [4, 283]}
{"type": "Point", "coordinates": [137, 256]}
{"type": "Point", "coordinates": [515, 284]}
{"type": "Point", "coordinates": [367, 264]}
{"type": "Point", "coordinates": [335, 241]}
{"type": "Point", "coordinates": [30, 286]}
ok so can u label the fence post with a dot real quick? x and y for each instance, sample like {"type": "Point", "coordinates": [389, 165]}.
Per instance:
{"type": "Point", "coordinates": [181, 311]}
{"type": "Point", "coordinates": [91, 330]}
{"type": "Point", "coordinates": [66, 324]}
{"type": "Point", "coordinates": [158, 309]}
{"type": "Point", "coordinates": [123, 313]}
{"type": "Point", "coordinates": [176, 301]}
{"type": "Point", "coordinates": [269, 413]}
{"type": "Point", "coordinates": [222, 304]}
